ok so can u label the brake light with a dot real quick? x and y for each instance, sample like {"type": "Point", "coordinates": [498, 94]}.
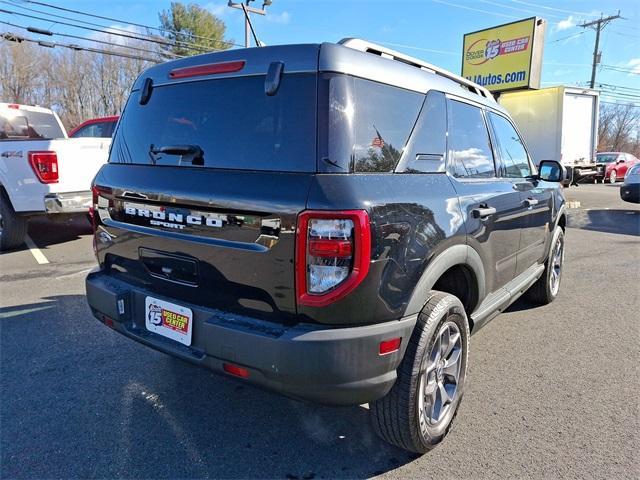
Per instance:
{"type": "Point", "coordinates": [208, 69]}
{"type": "Point", "coordinates": [45, 166]}
{"type": "Point", "coordinates": [333, 251]}
{"type": "Point", "coordinates": [15, 106]}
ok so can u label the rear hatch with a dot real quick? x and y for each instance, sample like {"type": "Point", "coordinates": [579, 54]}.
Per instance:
{"type": "Point", "coordinates": [206, 176]}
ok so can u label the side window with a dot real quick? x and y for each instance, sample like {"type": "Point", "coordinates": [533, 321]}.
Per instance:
{"type": "Point", "coordinates": [384, 117]}
{"type": "Point", "coordinates": [470, 154]}
{"type": "Point", "coordinates": [425, 152]}
{"type": "Point", "coordinates": [88, 131]}
{"type": "Point", "coordinates": [510, 148]}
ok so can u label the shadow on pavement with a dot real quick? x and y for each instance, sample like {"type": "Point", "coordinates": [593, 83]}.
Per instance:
{"type": "Point", "coordinates": [79, 400]}
{"type": "Point", "coordinates": [626, 222]}
{"type": "Point", "coordinates": [45, 232]}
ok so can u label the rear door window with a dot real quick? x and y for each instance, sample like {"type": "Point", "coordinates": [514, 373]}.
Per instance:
{"type": "Point", "coordinates": [425, 152]}
{"type": "Point", "coordinates": [232, 120]}
{"type": "Point", "coordinates": [470, 154]}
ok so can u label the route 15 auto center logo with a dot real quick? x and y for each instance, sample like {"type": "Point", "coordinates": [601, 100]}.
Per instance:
{"type": "Point", "coordinates": [483, 50]}
{"type": "Point", "coordinates": [155, 315]}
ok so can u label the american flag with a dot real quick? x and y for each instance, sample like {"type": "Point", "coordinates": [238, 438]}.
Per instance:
{"type": "Point", "coordinates": [377, 142]}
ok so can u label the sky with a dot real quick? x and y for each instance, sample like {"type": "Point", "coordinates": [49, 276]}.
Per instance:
{"type": "Point", "coordinates": [431, 30]}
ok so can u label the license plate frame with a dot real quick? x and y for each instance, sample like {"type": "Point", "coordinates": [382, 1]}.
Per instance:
{"type": "Point", "coordinates": [169, 319]}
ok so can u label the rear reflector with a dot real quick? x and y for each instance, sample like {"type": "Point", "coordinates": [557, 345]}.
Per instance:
{"type": "Point", "coordinates": [208, 69]}
{"type": "Point", "coordinates": [235, 370]}
{"type": "Point", "coordinates": [45, 166]}
{"type": "Point", "coordinates": [390, 346]}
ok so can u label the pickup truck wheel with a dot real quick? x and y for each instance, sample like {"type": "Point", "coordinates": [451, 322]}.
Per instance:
{"type": "Point", "coordinates": [546, 289]}
{"type": "Point", "coordinates": [418, 411]}
{"type": "Point", "coordinates": [12, 227]}
{"type": "Point", "coordinates": [613, 176]}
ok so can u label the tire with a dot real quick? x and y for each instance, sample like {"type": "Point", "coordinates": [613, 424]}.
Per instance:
{"type": "Point", "coordinates": [400, 418]}
{"type": "Point", "coordinates": [546, 289]}
{"type": "Point", "coordinates": [613, 176]}
{"type": "Point", "coordinates": [12, 227]}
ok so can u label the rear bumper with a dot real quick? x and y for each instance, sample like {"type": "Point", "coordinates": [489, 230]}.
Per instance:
{"type": "Point", "coordinates": [68, 202]}
{"type": "Point", "coordinates": [630, 192]}
{"type": "Point", "coordinates": [336, 366]}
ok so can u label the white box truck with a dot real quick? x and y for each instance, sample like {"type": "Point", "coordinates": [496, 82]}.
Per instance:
{"type": "Point", "coordinates": [558, 123]}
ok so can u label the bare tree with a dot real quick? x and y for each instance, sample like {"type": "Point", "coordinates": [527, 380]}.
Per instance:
{"type": "Point", "coordinates": [619, 128]}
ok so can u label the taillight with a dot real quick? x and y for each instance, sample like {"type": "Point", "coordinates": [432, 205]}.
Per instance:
{"type": "Point", "coordinates": [101, 202]}
{"type": "Point", "coordinates": [45, 166]}
{"type": "Point", "coordinates": [333, 251]}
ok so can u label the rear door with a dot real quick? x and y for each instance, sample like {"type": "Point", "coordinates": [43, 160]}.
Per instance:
{"type": "Point", "coordinates": [206, 178]}
{"type": "Point", "coordinates": [536, 198]}
{"type": "Point", "coordinates": [492, 206]}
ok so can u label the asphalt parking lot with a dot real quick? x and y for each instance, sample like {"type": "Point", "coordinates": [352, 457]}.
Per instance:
{"type": "Point", "coordinates": [552, 391]}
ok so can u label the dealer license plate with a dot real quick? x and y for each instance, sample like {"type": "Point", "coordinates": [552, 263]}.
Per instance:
{"type": "Point", "coordinates": [169, 320]}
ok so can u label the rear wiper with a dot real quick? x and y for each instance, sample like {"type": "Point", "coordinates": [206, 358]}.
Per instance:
{"type": "Point", "coordinates": [194, 150]}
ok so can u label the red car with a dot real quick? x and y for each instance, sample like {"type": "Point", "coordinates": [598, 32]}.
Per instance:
{"type": "Point", "coordinates": [96, 127]}
{"type": "Point", "coordinates": [612, 166]}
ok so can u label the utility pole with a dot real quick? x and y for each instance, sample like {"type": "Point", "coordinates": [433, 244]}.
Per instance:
{"type": "Point", "coordinates": [598, 25]}
{"type": "Point", "coordinates": [247, 9]}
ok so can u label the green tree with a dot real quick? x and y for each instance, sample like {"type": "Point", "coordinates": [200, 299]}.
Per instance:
{"type": "Point", "coordinates": [192, 29]}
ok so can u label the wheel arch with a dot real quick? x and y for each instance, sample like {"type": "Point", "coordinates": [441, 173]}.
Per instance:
{"type": "Point", "coordinates": [456, 263]}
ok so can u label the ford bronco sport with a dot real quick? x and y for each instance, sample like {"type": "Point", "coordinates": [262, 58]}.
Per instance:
{"type": "Point", "coordinates": [328, 221]}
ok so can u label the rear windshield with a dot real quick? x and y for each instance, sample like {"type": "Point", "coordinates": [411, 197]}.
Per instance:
{"type": "Point", "coordinates": [607, 158]}
{"type": "Point", "coordinates": [231, 121]}
{"type": "Point", "coordinates": [18, 124]}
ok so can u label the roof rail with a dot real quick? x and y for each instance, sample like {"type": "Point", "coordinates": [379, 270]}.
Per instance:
{"type": "Point", "coordinates": [369, 47]}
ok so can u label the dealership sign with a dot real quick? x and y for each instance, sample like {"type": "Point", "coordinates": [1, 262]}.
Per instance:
{"type": "Point", "coordinates": [505, 57]}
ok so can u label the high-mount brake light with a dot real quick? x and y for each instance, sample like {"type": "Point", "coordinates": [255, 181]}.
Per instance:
{"type": "Point", "coordinates": [207, 69]}
{"type": "Point", "coordinates": [333, 252]}
{"type": "Point", "coordinates": [45, 166]}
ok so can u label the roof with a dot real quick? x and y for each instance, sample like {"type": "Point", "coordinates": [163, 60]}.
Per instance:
{"type": "Point", "coordinates": [353, 57]}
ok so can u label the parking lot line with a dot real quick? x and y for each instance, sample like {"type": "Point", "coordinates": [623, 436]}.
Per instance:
{"type": "Point", "coordinates": [35, 251]}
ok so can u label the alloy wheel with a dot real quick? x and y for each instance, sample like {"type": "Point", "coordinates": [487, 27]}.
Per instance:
{"type": "Point", "coordinates": [557, 258]}
{"type": "Point", "coordinates": [440, 381]}
{"type": "Point", "coordinates": [613, 176]}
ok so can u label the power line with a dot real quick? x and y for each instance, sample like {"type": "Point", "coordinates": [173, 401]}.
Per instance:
{"type": "Point", "coordinates": [568, 37]}
{"type": "Point", "coordinates": [152, 39]}
{"type": "Point", "coordinates": [608, 85]}
{"type": "Point", "coordinates": [111, 19]}
{"type": "Point", "coordinates": [502, 5]}
{"type": "Point", "coordinates": [7, 36]}
{"type": "Point", "coordinates": [48, 32]}
{"type": "Point", "coordinates": [529, 4]}
{"type": "Point", "coordinates": [474, 9]}
{"type": "Point", "coordinates": [621, 69]}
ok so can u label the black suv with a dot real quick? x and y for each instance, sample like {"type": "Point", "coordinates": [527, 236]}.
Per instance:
{"type": "Point", "coordinates": [327, 221]}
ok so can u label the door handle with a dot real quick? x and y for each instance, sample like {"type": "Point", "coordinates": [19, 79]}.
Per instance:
{"type": "Point", "coordinates": [483, 212]}
{"type": "Point", "coordinates": [530, 202]}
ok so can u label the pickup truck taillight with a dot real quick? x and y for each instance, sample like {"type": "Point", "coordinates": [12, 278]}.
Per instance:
{"type": "Point", "coordinates": [45, 166]}
{"type": "Point", "coordinates": [333, 251]}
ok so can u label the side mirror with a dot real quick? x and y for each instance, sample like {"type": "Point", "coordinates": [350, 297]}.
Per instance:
{"type": "Point", "coordinates": [620, 161]}
{"type": "Point", "coordinates": [551, 171]}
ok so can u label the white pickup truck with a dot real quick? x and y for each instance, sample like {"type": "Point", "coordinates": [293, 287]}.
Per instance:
{"type": "Point", "coordinates": [42, 171]}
